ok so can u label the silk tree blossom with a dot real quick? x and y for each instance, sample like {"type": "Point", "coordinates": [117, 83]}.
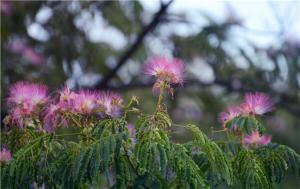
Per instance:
{"type": "Point", "coordinates": [256, 103]}
{"type": "Point", "coordinates": [255, 139]}
{"type": "Point", "coordinates": [5, 156]}
{"type": "Point", "coordinates": [53, 118]}
{"type": "Point", "coordinates": [26, 100]}
{"type": "Point", "coordinates": [231, 113]}
{"type": "Point", "coordinates": [165, 69]}
{"type": "Point", "coordinates": [110, 104]}
{"type": "Point", "coordinates": [85, 102]}
{"type": "Point", "coordinates": [55, 113]}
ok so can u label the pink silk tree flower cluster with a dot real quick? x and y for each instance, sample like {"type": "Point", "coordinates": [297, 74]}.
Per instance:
{"type": "Point", "coordinates": [5, 156]}
{"type": "Point", "coordinates": [254, 104]}
{"type": "Point", "coordinates": [84, 103]}
{"type": "Point", "coordinates": [166, 70]}
{"type": "Point", "coordinates": [256, 140]}
{"type": "Point", "coordinates": [29, 104]}
{"type": "Point", "coordinates": [110, 103]}
{"type": "Point", "coordinates": [231, 113]}
{"type": "Point", "coordinates": [25, 101]}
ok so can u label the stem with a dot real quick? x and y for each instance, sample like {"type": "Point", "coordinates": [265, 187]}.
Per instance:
{"type": "Point", "coordinates": [218, 131]}
{"type": "Point", "coordinates": [161, 96]}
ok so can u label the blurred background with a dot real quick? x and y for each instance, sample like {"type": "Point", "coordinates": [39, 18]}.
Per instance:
{"type": "Point", "coordinates": [229, 47]}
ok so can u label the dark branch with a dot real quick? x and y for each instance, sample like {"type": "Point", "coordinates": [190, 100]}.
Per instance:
{"type": "Point", "coordinates": [156, 19]}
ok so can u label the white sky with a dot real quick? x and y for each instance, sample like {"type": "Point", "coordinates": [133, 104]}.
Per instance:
{"type": "Point", "coordinates": [258, 16]}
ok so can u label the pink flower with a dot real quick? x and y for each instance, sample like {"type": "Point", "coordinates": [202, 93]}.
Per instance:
{"type": "Point", "coordinates": [230, 114]}
{"type": "Point", "coordinates": [66, 99]}
{"type": "Point", "coordinates": [256, 140]}
{"type": "Point", "coordinates": [85, 102]}
{"type": "Point", "coordinates": [6, 7]}
{"type": "Point", "coordinates": [5, 156]}
{"type": "Point", "coordinates": [17, 45]}
{"type": "Point", "coordinates": [256, 103]}
{"type": "Point", "coordinates": [32, 56]}
{"type": "Point", "coordinates": [25, 100]}
{"type": "Point", "coordinates": [28, 52]}
{"type": "Point", "coordinates": [23, 93]}
{"type": "Point", "coordinates": [110, 103]}
{"type": "Point", "coordinates": [170, 70]}
{"type": "Point", "coordinates": [52, 118]}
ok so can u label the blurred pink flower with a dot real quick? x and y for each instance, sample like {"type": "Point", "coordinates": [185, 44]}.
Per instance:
{"type": "Point", "coordinates": [51, 118]}
{"type": "Point", "coordinates": [17, 45]}
{"type": "Point", "coordinates": [6, 7]}
{"type": "Point", "coordinates": [85, 102]}
{"type": "Point", "coordinates": [255, 139]}
{"type": "Point", "coordinates": [24, 93]}
{"type": "Point", "coordinates": [32, 56]}
{"type": "Point", "coordinates": [164, 69]}
{"type": "Point", "coordinates": [26, 99]}
{"type": "Point", "coordinates": [5, 155]}
{"type": "Point", "coordinates": [256, 103]}
{"type": "Point", "coordinates": [231, 113]}
{"type": "Point", "coordinates": [111, 103]}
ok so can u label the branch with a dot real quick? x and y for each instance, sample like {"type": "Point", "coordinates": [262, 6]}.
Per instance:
{"type": "Point", "coordinates": [155, 21]}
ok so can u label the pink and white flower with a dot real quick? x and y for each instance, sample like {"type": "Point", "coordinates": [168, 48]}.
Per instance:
{"type": "Point", "coordinates": [25, 100]}
{"type": "Point", "coordinates": [165, 69]}
{"type": "Point", "coordinates": [110, 103]}
{"type": "Point", "coordinates": [231, 113]}
{"type": "Point", "coordinates": [52, 118]}
{"type": "Point", "coordinates": [5, 155]}
{"type": "Point", "coordinates": [85, 102]}
{"type": "Point", "coordinates": [256, 103]}
{"type": "Point", "coordinates": [255, 139]}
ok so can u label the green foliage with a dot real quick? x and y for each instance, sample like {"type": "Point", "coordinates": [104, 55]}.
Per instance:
{"type": "Point", "coordinates": [30, 164]}
{"type": "Point", "coordinates": [250, 171]}
{"type": "Point", "coordinates": [219, 166]}
{"type": "Point", "coordinates": [246, 124]}
{"type": "Point", "coordinates": [103, 149]}
{"type": "Point", "coordinates": [188, 174]}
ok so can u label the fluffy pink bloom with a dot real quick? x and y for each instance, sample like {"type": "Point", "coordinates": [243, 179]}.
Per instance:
{"type": "Point", "coordinates": [110, 103]}
{"type": "Point", "coordinates": [85, 102]}
{"type": "Point", "coordinates": [256, 103]}
{"type": "Point", "coordinates": [66, 99]}
{"type": "Point", "coordinates": [170, 70]}
{"type": "Point", "coordinates": [230, 114]}
{"type": "Point", "coordinates": [24, 100]}
{"type": "Point", "coordinates": [255, 139]}
{"type": "Point", "coordinates": [5, 156]}
{"type": "Point", "coordinates": [27, 93]}
{"type": "Point", "coordinates": [52, 118]}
